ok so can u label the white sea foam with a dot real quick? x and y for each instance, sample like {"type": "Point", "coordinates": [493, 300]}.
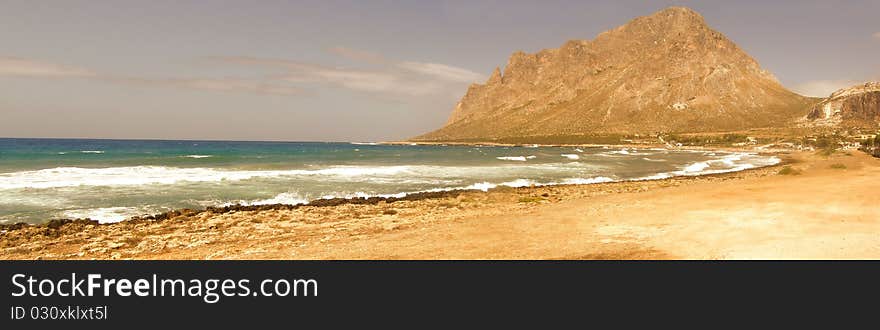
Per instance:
{"type": "Point", "coordinates": [33, 200]}
{"type": "Point", "coordinates": [519, 183]}
{"type": "Point", "coordinates": [726, 164]}
{"type": "Point", "coordinates": [571, 156]}
{"type": "Point", "coordinates": [482, 186]}
{"type": "Point", "coordinates": [104, 214]}
{"type": "Point", "coordinates": [92, 151]}
{"type": "Point", "coordinates": [514, 158]}
{"type": "Point", "coordinates": [140, 175]}
{"type": "Point", "coordinates": [531, 157]}
{"type": "Point", "coordinates": [149, 175]}
{"type": "Point", "coordinates": [729, 163]}
{"type": "Point", "coordinates": [291, 198]}
{"type": "Point", "coordinates": [696, 167]}
{"type": "Point", "coordinates": [657, 176]}
{"type": "Point", "coordinates": [599, 179]}
{"type": "Point", "coordinates": [197, 156]}
{"type": "Point", "coordinates": [578, 150]}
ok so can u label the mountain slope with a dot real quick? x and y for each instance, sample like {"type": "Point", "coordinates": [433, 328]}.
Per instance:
{"type": "Point", "coordinates": [665, 72]}
{"type": "Point", "coordinates": [856, 106]}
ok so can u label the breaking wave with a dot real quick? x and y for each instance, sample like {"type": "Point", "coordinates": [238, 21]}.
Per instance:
{"type": "Point", "coordinates": [104, 214]}
{"type": "Point", "coordinates": [141, 175]}
{"type": "Point", "coordinates": [513, 158]}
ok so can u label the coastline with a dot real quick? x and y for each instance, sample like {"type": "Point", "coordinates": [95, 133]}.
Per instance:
{"type": "Point", "coordinates": [61, 229]}
{"type": "Point", "coordinates": [747, 148]}
{"type": "Point", "coordinates": [744, 214]}
{"type": "Point", "coordinates": [403, 196]}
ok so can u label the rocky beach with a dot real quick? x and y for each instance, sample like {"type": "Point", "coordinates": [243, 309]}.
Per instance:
{"type": "Point", "coordinates": [810, 206]}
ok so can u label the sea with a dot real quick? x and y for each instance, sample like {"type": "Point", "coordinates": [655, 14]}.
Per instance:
{"type": "Point", "coordinates": [113, 180]}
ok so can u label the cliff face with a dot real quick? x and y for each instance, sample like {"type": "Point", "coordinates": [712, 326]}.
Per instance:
{"type": "Point", "coordinates": [857, 106]}
{"type": "Point", "coordinates": [665, 72]}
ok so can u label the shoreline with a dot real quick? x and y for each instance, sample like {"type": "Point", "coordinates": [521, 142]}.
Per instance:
{"type": "Point", "coordinates": [823, 212]}
{"type": "Point", "coordinates": [746, 148]}
{"type": "Point", "coordinates": [404, 196]}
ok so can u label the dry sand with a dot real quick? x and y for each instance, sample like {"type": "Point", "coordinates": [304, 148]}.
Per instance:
{"type": "Point", "coordinates": [822, 213]}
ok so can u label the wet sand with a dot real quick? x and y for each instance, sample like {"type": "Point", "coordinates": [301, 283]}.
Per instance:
{"type": "Point", "coordinates": [821, 213]}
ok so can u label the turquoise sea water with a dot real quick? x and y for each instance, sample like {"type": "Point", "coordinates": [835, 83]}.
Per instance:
{"type": "Point", "coordinates": [111, 180]}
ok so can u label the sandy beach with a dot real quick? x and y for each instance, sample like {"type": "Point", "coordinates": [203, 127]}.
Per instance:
{"type": "Point", "coordinates": [827, 209]}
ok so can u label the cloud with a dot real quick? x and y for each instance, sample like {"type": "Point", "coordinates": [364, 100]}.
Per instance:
{"type": "Point", "coordinates": [238, 85]}
{"type": "Point", "coordinates": [20, 67]}
{"type": "Point", "coordinates": [369, 81]}
{"type": "Point", "coordinates": [358, 55]}
{"type": "Point", "coordinates": [443, 71]}
{"type": "Point", "coordinates": [384, 77]}
{"type": "Point", "coordinates": [822, 88]}
{"type": "Point", "coordinates": [437, 70]}
{"type": "Point", "coordinates": [264, 62]}
{"type": "Point", "coordinates": [390, 78]}
{"type": "Point", "coordinates": [215, 84]}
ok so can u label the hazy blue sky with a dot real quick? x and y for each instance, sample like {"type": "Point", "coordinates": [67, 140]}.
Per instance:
{"type": "Point", "coordinates": [345, 70]}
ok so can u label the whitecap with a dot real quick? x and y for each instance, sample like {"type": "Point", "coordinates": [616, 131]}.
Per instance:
{"type": "Point", "coordinates": [197, 156]}
{"type": "Point", "coordinates": [519, 183]}
{"type": "Point", "coordinates": [571, 156]}
{"type": "Point", "coordinates": [514, 158]}
{"type": "Point", "coordinates": [729, 163]}
{"type": "Point", "coordinates": [599, 179]}
{"type": "Point", "coordinates": [657, 176]}
{"type": "Point", "coordinates": [696, 167]}
{"type": "Point", "coordinates": [290, 198]}
{"type": "Point", "coordinates": [104, 214]}
{"type": "Point", "coordinates": [140, 175]}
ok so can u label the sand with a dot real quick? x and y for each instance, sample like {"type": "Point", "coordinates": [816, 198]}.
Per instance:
{"type": "Point", "coordinates": [821, 213]}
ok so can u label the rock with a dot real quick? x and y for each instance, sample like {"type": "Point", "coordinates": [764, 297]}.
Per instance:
{"type": "Point", "coordinates": [665, 72]}
{"type": "Point", "coordinates": [856, 106]}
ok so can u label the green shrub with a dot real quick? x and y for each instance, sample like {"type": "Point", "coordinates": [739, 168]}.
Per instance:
{"type": "Point", "coordinates": [788, 170]}
{"type": "Point", "coordinates": [530, 199]}
{"type": "Point", "coordinates": [826, 152]}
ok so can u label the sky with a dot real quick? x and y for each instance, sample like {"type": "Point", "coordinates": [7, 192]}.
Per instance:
{"type": "Point", "coordinates": [346, 70]}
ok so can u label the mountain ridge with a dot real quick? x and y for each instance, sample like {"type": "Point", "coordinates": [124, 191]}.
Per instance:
{"type": "Point", "coordinates": [665, 72]}
{"type": "Point", "coordinates": [854, 106]}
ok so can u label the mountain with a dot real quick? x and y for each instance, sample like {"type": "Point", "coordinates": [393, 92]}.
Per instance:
{"type": "Point", "coordinates": [856, 106]}
{"type": "Point", "coordinates": [666, 72]}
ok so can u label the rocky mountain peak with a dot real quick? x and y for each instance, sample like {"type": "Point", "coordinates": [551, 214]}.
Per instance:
{"type": "Point", "coordinates": [495, 78]}
{"type": "Point", "coordinates": [856, 106]}
{"type": "Point", "coordinates": [668, 71]}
